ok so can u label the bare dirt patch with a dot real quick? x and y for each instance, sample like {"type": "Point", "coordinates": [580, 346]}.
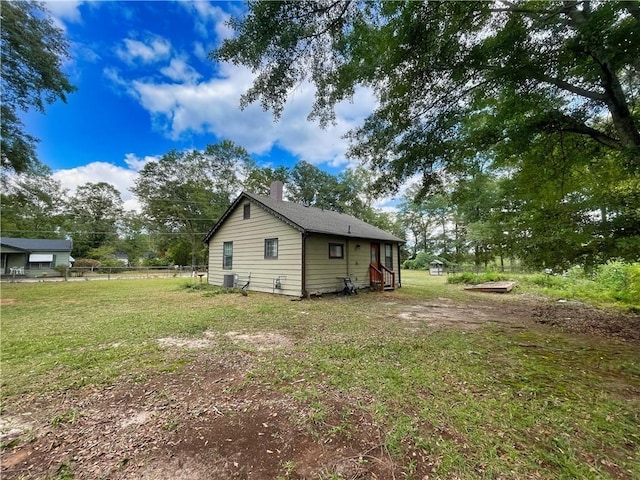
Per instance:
{"type": "Point", "coordinates": [4, 302]}
{"type": "Point", "coordinates": [262, 341]}
{"type": "Point", "coordinates": [519, 313]}
{"type": "Point", "coordinates": [201, 423]}
{"type": "Point", "coordinates": [188, 343]}
{"type": "Point", "coordinates": [578, 318]}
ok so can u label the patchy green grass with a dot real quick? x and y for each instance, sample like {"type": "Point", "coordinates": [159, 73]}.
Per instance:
{"type": "Point", "coordinates": [478, 403]}
{"type": "Point", "coordinates": [615, 284]}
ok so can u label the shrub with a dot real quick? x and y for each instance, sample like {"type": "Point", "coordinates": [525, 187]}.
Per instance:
{"type": "Point", "coordinates": [548, 281]}
{"type": "Point", "coordinates": [86, 263]}
{"type": "Point", "coordinates": [621, 280]}
{"type": "Point", "coordinates": [475, 278]}
{"type": "Point", "coordinates": [156, 262]}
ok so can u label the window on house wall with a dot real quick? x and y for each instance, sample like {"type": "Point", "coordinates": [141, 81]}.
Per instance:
{"type": "Point", "coordinates": [247, 211]}
{"type": "Point", "coordinates": [271, 248]}
{"type": "Point", "coordinates": [336, 250]}
{"type": "Point", "coordinates": [41, 261]}
{"type": "Point", "coordinates": [388, 256]}
{"type": "Point", "coordinates": [227, 255]}
{"type": "Point", "coordinates": [39, 266]}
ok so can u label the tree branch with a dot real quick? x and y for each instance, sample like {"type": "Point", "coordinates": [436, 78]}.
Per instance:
{"type": "Point", "coordinates": [564, 85]}
{"type": "Point", "coordinates": [557, 121]}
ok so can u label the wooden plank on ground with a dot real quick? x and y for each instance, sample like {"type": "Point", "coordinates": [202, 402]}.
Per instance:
{"type": "Point", "coordinates": [493, 287]}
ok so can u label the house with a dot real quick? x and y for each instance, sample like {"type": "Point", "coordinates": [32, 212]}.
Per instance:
{"type": "Point", "coordinates": [122, 257]}
{"type": "Point", "coordinates": [270, 245]}
{"type": "Point", "coordinates": [34, 257]}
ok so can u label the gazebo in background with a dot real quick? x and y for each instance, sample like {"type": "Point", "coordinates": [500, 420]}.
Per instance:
{"type": "Point", "coordinates": [436, 267]}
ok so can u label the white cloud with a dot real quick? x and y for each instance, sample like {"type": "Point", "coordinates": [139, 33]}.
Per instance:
{"type": "Point", "coordinates": [135, 163]}
{"type": "Point", "coordinates": [213, 106]}
{"type": "Point", "coordinates": [200, 51]}
{"type": "Point", "coordinates": [121, 178]}
{"type": "Point", "coordinates": [179, 70]}
{"type": "Point", "coordinates": [210, 19]}
{"type": "Point", "coordinates": [152, 49]}
{"type": "Point", "coordinates": [187, 104]}
{"type": "Point", "coordinates": [64, 11]}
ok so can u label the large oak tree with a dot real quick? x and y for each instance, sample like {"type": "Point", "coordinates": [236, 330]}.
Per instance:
{"type": "Point", "coordinates": [538, 67]}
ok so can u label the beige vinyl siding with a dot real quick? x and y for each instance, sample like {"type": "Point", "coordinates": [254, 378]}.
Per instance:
{"type": "Point", "coordinates": [359, 262]}
{"type": "Point", "coordinates": [248, 238]}
{"type": "Point", "coordinates": [326, 274]}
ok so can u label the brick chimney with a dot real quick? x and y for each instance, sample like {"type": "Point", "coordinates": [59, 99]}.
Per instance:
{"type": "Point", "coordinates": [276, 190]}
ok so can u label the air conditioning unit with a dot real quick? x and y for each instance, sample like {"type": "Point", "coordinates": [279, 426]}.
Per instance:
{"type": "Point", "coordinates": [229, 280]}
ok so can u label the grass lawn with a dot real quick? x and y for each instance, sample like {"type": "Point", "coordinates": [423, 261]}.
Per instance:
{"type": "Point", "coordinates": [428, 381]}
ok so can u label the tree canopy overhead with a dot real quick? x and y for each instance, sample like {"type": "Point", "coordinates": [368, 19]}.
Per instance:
{"type": "Point", "coordinates": [452, 75]}
{"type": "Point", "coordinates": [33, 51]}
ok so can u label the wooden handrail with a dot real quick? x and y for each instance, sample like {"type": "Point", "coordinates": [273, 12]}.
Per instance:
{"type": "Point", "coordinates": [389, 273]}
{"type": "Point", "coordinates": [381, 277]}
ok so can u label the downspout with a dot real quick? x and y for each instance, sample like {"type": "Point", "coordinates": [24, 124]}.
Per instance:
{"type": "Point", "coordinates": [399, 267]}
{"type": "Point", "coordinates": [348, 246]}
{"type": "Point", "coordinates": [304, 264]}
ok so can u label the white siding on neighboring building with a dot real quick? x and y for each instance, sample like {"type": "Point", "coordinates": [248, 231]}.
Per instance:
{"type": "Point", "coordinates": [248, 237]}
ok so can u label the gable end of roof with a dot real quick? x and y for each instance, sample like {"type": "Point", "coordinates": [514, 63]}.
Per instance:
{"type": "Point", "coordinates": [254, 200]}
{"type": "Point", "coordinates": [309, 219]}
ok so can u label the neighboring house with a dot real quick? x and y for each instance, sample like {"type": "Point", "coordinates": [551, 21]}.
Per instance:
{"type": "Point", "coordinates": [122, 258]}
{"type": "Point", "coordinates": [282, 247]}
{"type": "Point", "coordinates": [34, 257]}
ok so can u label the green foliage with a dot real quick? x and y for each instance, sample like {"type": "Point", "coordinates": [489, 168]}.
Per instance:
{"type": "Point", "coordinates": [184, 194]}
{"type": "Point", "coordinates": [210, 290]}
{"type": "Point", "coordinates": [103, 253]}
{"type": "Point", "coordinates": [33, 205]}
{"type": "Point", "coordinates": [620, 280]}
{"type": "Point", "coordinates": [33, 52]}
{"type": "Point", "coordinates": [538, 58]}
{"type": "Point", "coordinates": [615, 283]}
{"type": "Point", "coordinates": [69, 416]}
{"type": "Point", "coordinates": [476, 278]}
{"type": "Point", "coordinates": [86, 263]}
{"type": "Point", "coordinates": [156, 262]}
{"type": "Point", "coordinates": [94, 212]}
{"type": "Point", "coordinates": [422, 261]}
{"type": "Point", "coordinates": [497, 107]}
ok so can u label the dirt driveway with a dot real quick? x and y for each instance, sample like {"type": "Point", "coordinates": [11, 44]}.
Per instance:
{"type": "Point", "coordinates": [206, 421]}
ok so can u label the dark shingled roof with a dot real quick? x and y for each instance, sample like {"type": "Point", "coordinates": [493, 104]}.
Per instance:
{"type": "Point", "coordinates": [312, 220]}
{"type": "Point", "coordinates": [37, 244]}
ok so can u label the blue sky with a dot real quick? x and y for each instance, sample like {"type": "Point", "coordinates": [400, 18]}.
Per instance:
{"type": "Point", "coordinates": [146, 86]}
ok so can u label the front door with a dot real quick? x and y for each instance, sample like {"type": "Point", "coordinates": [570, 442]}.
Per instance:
{"type": "Point", "coordinates": [375, 255]}
{"type": "Point", "coordinates": [375, 279]}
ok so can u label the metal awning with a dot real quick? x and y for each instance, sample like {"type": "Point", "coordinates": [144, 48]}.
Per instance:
{"type": "Point", "coordinates": [40, 257]}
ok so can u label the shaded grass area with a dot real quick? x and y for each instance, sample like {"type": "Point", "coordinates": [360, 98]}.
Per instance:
{"type": "Point", "coordinates": [483, 403]}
